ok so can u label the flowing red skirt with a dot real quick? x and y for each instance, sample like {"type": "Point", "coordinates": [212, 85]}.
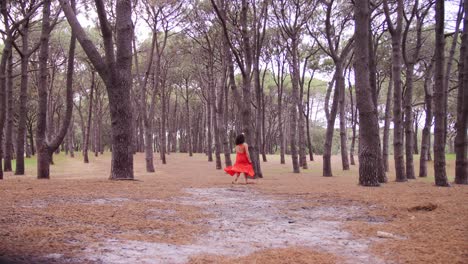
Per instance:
{"type": "Point", "coordinates": [242, 165]}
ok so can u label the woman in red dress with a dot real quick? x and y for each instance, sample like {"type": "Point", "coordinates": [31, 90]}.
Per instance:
{"type": "Point", "coordinates": [243, 162]}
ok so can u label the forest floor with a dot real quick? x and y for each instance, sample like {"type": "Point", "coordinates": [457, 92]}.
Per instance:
{"type": "Point", "coordinates": [188, 212]}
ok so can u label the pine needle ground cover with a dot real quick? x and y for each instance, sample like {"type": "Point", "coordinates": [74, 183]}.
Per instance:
{"type": "Point", "coordinates": [188, 212]}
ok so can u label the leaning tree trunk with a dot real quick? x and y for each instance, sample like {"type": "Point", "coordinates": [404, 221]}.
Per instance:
{"type": "Point", "coordinates": [461, 140]}
{"type": "Point", "coordinates": [327, 170]}
{"type": "Point", "coordinates": [88, 126]}
{"type": "Point", "coordinates": [440, 99]}
{"type": "Point", "coordinates": [368, 123]}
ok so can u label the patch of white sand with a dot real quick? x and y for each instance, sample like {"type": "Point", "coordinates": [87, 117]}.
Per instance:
{"type": "Point", "coordinates": [245, 221]}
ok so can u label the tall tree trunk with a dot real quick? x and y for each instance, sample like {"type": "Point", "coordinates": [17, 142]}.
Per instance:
{"type": "Point", "coordinates": [216, 124]}
{"type": "Point", "coordinates": [340, 82]}
{"type": "Point", "coordinates": [23, 98]}
{"type": "Point", "coordinates": [426, 133]}
{"type": "Point", "coordinates": [416, 129]}
{"type": "Point", "coordinates": [209, 119]}
{"type": "Point", "coordinates": [9, 116]}
{"type": "Point", "coordinates": [461, 140]}
{"type": "Point", "coordinates": [409, 132]}
{"type": "Point", "coordinates": [90, 113]}
{"type": "Point", "coordinates": [188, 124]}
{"type": "Point", "coordinates": [301, 129]}
{"type": "Point", "coordinates": [163, 124]}
{"type": "Point", "coordinates": [368, 123]}
{"type": "Point", "coordinates": [397, 94]}
{"type": "Point", "coordinates": [327, 148]}
{"type": "Point", "coordinates": [115, 70]}
{"type": "Point", "coordinates": [353, 119]}
{"type": "Point", "coordinates": [293, 108]}
{"type": "Point", "coordinates": [309, 139]}
{"type": "Point", "coordinates": [440, 99]}
{"type": "Point", "coordinates": [222, 125]}
{"type": "Point", "coordinates": [3, 66]}
{"type": "Point", "coordinates": [388, 117]}
{"type": "Point", "coordinates": [45, 149]}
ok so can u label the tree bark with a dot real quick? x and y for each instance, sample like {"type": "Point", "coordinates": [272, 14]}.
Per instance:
{"type": "Point", "coordinates": [23, 98]}
{"type": "Point", "coordinates": [397, 94]}
{"type": "Point", "coordinates": [342, 104]}
{"type": "Point", "coordinates": [44, 148]}
{"type": "Point", "coordinates": [90, 113]}
{"type": "Point", "coordinates": [409, 132]}
{"type": "Point", "coordinates": [368, 123]}
{"type": "Point", "coordinates": [327, 148]}
{"type": "Point", "coordinates": [388, 117]}
{"type": "Point", "coordinates": [115, 70]}
{"type": "Point", "coordinates": [440, 99]}
{"type": "Point", "coordinates": [461, 140]}
{"type": "Point", "coordinates": [9, 116]}
{"type": "Point", "coordinates": [426, 132]}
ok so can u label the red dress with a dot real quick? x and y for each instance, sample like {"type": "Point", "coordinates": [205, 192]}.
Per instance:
{"type": "Point", "coordinates": [242, 164]}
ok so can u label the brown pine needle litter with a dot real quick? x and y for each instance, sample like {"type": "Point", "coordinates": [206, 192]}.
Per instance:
{"type": "Point", "coordinates": [188, 212]}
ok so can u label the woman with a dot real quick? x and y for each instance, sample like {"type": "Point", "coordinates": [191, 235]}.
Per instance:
{"type": "Point", "coordinates": [243, 162]}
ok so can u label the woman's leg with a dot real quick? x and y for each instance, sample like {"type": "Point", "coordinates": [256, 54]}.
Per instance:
{"type": "Point", "coordinates": [237, 177]}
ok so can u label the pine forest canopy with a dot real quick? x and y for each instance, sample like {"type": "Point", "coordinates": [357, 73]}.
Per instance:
{"type": "Point", "coordinates": [163, 76]}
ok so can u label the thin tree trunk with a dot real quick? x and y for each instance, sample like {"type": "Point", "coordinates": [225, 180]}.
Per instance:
{"type": "Point", "coordinates": [309, 139]}
{"type": "Point", "coordinates": [90, 113]}
{"type": "Point", "coordinates": [409, 132]}
{"type": "Point", "coordinates": [216, 124]}
{"type": "Point", "coordinates": [71, 139]}
{"type": "Point", "coordinates": [9, 116]}
{"type": "Point", "coordinates": [388, 117]}
{"type": "Point", "coordinates": [293, 109]}
{"type": "Point", "coordinates": [353, 120]}
{"type": "Point", "coordinates": [416, 128]}
{"type": "Point", "coordinates": [327, 148]}
{"type": "Point", "coordinates": [397, 94]}
{"type": "Point", "coordinates": [426, 132]}
{"type": "Point", "coordinates": [23, 98]}
{"type": "Point", "coordinates": [222, 125]}
{"type": "Point", "coordinates": [342, 104]}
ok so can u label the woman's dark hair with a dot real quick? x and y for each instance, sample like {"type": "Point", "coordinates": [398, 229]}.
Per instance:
{"type": "Point", "coordinates": [240, 139]}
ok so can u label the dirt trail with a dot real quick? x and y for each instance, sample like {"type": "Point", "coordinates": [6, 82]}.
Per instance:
{"type": "Point", "coordinates": [245, 221]}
